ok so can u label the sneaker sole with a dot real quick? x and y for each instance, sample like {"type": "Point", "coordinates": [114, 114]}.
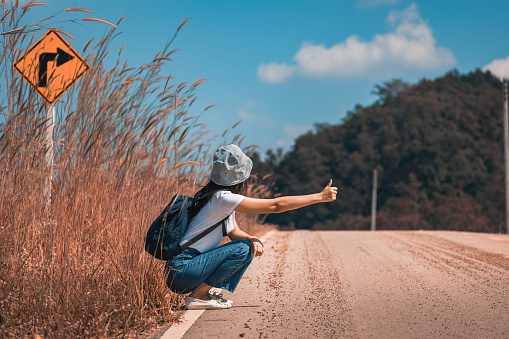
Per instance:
{"type": "Point", "coordinates": [206, 307]}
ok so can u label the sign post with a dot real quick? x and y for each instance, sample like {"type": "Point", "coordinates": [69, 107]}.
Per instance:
{"type": "Point", "coordinates": [51, 66]}
{"type": "Point", "coordinates": [373, 200]}
{"type": "Point", "coordinates": [48, 160]}
{"type": "Point", "coordinates": [506, 155]}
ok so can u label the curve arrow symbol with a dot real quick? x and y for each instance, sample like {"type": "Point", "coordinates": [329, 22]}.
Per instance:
{"type": "Point", "coordinates": [61, 58]}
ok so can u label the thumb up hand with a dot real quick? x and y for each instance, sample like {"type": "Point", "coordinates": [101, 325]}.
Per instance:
{"type": "Point", "coordinates": [329, 193]}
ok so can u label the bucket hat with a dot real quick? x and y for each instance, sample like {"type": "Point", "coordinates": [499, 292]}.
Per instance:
{"type": "Point", "coordinates": [230, 166]}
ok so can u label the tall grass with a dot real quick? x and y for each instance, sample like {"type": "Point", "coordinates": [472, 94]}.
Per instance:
{"type": "Point", "coordinates": [125, 142]}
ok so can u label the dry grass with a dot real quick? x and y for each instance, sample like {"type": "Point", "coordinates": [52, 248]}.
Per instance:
{"type": "Point", "coordinates": [124, 144]}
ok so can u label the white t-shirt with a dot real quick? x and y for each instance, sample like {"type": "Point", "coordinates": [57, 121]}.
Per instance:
{"type": "Point", "coordinates": [219, 207]}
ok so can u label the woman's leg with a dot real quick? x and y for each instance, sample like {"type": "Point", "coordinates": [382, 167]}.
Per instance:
{"type": "Point", "coordinates": [227, 275]}
{"type": "Point", "coordinates": [221, 267]}
{"type": "Point", "coordinates": [201, 292]}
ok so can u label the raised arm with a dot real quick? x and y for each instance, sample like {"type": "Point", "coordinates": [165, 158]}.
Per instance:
{"type": "Point", "coordinates": [283, 204]}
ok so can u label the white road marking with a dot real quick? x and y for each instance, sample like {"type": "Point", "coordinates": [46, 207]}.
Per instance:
{"type": "Point", "coordinates": [189, 317]}
{"type": "Point", "coordinates": [177, 331]}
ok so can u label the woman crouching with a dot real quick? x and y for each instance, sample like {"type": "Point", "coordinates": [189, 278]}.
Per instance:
{"type": "Point", "coordinates": [204, 264]}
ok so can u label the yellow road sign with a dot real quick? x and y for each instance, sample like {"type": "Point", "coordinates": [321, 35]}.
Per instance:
{"type": "Point", "coordinates": [51, 66]}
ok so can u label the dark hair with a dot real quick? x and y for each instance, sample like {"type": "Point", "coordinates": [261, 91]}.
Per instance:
{"type": "Point", "coordinates": [210, 189]}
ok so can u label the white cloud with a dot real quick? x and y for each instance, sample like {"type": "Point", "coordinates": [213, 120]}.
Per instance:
{"type": "Point", "coordinates": [284, 143]}
{"type": "Point", "coordinates": [294, 131]}
{"type": "Point", "coordinates": [409, 48]}
{"type": "Point", "coordinates": [245, 115]}
{"type": "Point", "coordinates": [267, 121]}
{"type": "Point", "coordinates": [291, 132]}
{"type": "Point", "coordinates": [274, 73]}
{"type": "Point", "coordinates": [499, 67]}
{"type": "Point", "coordinates": [374, 3]}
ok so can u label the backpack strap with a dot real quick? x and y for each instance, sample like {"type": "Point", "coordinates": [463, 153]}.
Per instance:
{"type": "Point", "coordinates": [204, 233]}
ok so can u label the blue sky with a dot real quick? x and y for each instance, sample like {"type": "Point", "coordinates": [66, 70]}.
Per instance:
{"type": "Point", "coordinates": [282, 66]}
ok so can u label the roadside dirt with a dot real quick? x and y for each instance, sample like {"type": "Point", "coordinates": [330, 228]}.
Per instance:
{"type": "Point", "coordinates": [411, 284]}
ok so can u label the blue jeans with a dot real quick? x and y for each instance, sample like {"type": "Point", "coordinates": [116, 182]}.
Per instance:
{"type": "Point", "coordinates": [222, 267]}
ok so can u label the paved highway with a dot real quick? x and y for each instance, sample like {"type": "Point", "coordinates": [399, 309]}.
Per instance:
{"type": "Point", "coordinates": [384, 284]}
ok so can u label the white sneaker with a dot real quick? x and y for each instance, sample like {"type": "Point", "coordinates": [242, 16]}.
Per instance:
{"type": "Point", "coordinates": [199, 304]}
{"type": "Point", "coordinates": [219, 296]}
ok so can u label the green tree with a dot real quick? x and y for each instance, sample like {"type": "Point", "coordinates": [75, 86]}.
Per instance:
{"type": "Point", "coordinates": [438, 148]}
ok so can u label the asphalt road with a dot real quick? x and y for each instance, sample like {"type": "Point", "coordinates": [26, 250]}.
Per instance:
{"type": "Point", "coordinates": [384, 284]}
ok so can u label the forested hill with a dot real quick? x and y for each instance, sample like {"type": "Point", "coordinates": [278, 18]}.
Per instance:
{"type": "Point", "coordinates": [438, 149]}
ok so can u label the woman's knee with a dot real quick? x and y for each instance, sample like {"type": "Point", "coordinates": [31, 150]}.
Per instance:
{"type": "Point", "coordinates": [242, 247]}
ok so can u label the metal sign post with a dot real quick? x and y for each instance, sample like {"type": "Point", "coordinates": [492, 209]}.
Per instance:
{"type": "Point", "coordinates": [49, 157]}
{"type": "Point", "coordinates": [506, 155]}
{"type": "Point", "coordinates": [373, 200]}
